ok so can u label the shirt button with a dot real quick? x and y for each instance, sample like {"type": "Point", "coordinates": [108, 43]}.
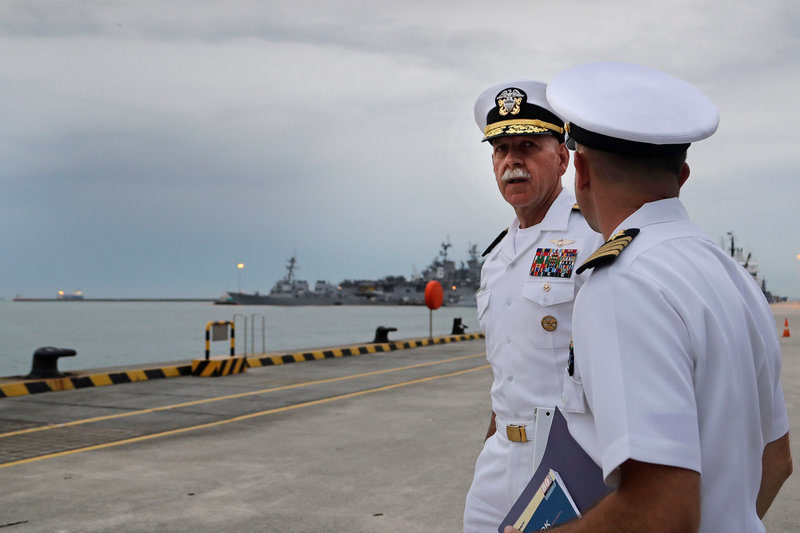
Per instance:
{"type": "Point", "coordinates": [510, 378]}
{"type": "Point", "coordinates": [508, 302]}
{"type": "Point", "coordinates": [508, 340]}
{"type": "Point", "coordinates": [546, 287]}
{"type": "Point", "coordinates": [549, 323]}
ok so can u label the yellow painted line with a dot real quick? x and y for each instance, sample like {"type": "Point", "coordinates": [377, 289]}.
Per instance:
{"type": "Point", "coordinates": [241, 418]}
{"type": "Point", "coordinates": [237, 395]}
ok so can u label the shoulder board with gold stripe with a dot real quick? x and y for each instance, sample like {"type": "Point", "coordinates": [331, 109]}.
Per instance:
{"type": "Point", "coordinates": [609, 250]}
{"type": "Point", "coordinates": [495, 242]}
{"type": "Point", "coordinates": [576, 207]}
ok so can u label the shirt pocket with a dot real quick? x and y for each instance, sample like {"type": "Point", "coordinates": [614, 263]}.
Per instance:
{"type": "Point", "coordinates": [573, 398]}
{"type": "Point", "coordinates": [482, 297]}
{"type": "Point", "coordinates": [545, 292]}
{"type": "Point", "coordinates": [550, 301]}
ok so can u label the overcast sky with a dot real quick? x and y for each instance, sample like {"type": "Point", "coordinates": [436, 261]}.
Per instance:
{"type": "Point", "coordinates": [149, 146]}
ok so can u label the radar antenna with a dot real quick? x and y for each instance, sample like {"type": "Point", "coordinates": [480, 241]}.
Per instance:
{"type": "Point", "coordinates": [291, 266]}
{"type": "Point", "coordinates": [445, 245]}
{"type": "Point", "coordinates": [473, 252]}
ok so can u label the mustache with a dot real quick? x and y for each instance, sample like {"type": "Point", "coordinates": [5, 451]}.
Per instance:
{"type": "Point", "coordinates": [514, 173]}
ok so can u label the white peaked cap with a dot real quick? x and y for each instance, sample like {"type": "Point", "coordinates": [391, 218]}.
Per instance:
{"type": "Point", "coordinates": [516, 107]}
{"type": "Point", "coordinates": [627, 108]}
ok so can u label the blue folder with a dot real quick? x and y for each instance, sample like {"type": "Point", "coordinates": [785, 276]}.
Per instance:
{"type": "Point", "coordinates": [581, 475]}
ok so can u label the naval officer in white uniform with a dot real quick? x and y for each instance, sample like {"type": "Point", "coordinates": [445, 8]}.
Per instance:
{"type": "Point", "coordinates": [528, 286]}
{"type": "Point", "coordinates": [674, 385]}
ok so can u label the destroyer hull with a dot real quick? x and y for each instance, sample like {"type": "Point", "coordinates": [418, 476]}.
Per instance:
{"type": "Point", "coordinates": [235, 298]}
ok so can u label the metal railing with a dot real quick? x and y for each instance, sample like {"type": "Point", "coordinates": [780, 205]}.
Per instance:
{"type": "Point", "coordinates": [263, 333]}
{"type": "Point", "coordinates": [244, 338]}
{"type": "Point", "coordinates": [252, 331]}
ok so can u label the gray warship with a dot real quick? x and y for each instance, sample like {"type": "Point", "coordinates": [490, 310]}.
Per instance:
{"type": "Point", "coordinates": [459, 284]}
{"type": "Point", "coordinates": [749, 264]}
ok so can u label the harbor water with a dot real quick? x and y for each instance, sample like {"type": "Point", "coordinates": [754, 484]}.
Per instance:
{"type": "Point", "coordinates": [131, 333]}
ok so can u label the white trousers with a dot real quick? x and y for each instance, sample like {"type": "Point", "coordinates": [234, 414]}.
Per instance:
{"type": "Point", "coordinates": [501, 472]}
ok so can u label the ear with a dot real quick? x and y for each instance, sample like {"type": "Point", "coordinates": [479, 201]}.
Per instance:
{"type": "Point", "coordinates": [581, 172]}
{"type": "Point", "coordinates": [563, 159]}
{"type": "Point", "coordinates": [684, 175]}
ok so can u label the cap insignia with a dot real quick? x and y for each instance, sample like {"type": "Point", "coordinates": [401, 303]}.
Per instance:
{"type": "Point", "coordinates": [509, 101]}
{"type": "Point", "coordinates": [609, 251]}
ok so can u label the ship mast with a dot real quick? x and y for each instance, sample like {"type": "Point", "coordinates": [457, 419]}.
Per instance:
{"type": "Point", "coordinates": [733, 247]}
{"type": "Point", "coordinates": [445, 246]}
{"type": "Point", "coordinates": [290, 268]}
{"type": "Point", "coordinates": [473, 252]}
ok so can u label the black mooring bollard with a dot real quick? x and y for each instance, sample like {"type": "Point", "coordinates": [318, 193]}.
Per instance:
{"type": "Point", "coordinates": [382, 333]}
{"type": "Point", "coordinates": [458, 327]}
{"type": "Point", "coordinates": [45, 361]}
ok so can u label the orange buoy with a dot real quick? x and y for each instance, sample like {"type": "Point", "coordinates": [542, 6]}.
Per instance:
{"type": "Point", "coordinates": [434, 298]}
{"type": "Point", "coordinates": [434, 295]}
{"type": "Point", "coordinates": [786, 332]}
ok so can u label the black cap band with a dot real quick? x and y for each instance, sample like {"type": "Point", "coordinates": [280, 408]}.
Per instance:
{"type": "Point", "coordinates": [598, 141]}
{"type": "Point", "coordinates": [514, 115]}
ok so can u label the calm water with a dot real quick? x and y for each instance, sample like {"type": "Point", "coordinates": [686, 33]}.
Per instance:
{"type": "Point", "coordinates": [120, 333]}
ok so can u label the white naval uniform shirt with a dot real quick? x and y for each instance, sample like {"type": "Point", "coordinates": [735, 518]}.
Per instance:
{"type": "Point", "coordinates": [527, 361]}
{"type": "Point", "coordinates": [677, 362]}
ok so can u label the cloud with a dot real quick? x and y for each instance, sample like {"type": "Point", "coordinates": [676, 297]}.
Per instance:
{"type": "Point", "coordinates": [151, 146]}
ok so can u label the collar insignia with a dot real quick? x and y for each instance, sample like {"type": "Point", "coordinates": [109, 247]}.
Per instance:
{"type": "Point", "coordinates": [508, 101]}
{"type": "Point", "coordinates": [610, 250]}
{"type": "Point", "coordinates": [561, 242]}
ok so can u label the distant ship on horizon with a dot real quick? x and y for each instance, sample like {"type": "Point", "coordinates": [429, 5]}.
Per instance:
{"type": "Point", "coordinates": [749, 264]}
{"type": "Point", "coordinates": [76, 295]}
{"type": "Point", "coordinates": [459, 284]}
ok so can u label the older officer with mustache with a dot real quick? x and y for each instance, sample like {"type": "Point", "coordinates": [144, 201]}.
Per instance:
{"type": "Point", "coordinates": [528, 286]}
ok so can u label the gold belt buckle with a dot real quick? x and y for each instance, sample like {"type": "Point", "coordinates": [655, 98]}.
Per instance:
{"type": "Point", "coordinates": [516, 433]}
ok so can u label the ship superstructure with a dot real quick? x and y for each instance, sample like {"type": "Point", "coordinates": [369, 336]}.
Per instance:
{"type": "Point", "coordinates": [748, 263]}
{"type": "Point", "coordinates": [459, 284]}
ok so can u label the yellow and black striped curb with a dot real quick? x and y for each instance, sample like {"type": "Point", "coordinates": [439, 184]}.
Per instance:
{"type": "Point", "coordinates": [219, 366]}
{"type": "Point", "coordinates": [36, 386]}
{"type": "Point", "coordinates": [362, 349]}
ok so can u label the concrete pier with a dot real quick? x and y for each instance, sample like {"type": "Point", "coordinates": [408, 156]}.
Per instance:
{"type": "Point", "coordinates": [373, 442]}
